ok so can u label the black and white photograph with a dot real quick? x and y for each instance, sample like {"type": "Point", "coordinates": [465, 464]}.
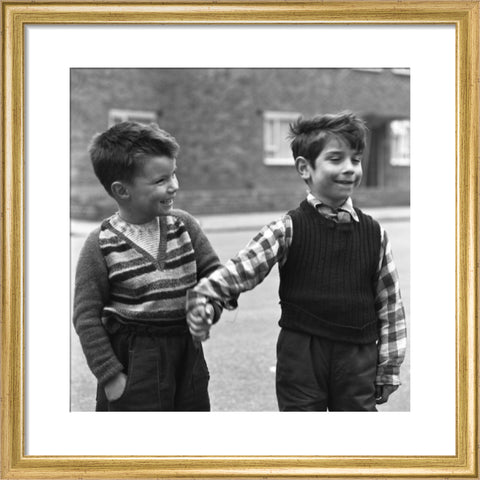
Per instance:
{"type": "Point", "coordinates": [232, 231]}
{"type": "Point", "coordinates": [200, 278]}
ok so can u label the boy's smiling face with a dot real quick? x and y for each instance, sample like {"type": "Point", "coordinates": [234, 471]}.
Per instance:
{"type": "Point", "coordinates": [151, 191]}
{"type": "Point", "coordinates": [337, 171]}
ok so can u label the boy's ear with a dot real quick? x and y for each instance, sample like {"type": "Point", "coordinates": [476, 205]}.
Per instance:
{"type": "Point", "coordinates": [303, 167]}
{"type": "Point", "coordinates": [120, 191]}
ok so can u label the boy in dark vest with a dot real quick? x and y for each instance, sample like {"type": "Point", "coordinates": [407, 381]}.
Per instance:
{"type": "Point", "coordinates": [343, 332]}
{"type": "Point", "coordinates": [132, 278]}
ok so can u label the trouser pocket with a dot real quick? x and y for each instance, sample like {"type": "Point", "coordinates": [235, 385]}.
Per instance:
{"type": "Point", "coordinates": [298, 387]}
{"type": "Point", "coordinates": [142, 391]}
{"type": "Point", "coordinates": [164, 373]}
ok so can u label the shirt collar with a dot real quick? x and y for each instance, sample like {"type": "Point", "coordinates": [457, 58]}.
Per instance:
{"type": "Point", "coordinates": [346, 206]}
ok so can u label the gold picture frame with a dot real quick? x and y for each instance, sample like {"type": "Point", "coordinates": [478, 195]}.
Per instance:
{"type": "Point", "coordinates": [14, 463]}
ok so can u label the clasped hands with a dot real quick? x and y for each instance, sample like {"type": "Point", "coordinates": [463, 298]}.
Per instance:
{"type": "Point", "coordinates": [200, 318]}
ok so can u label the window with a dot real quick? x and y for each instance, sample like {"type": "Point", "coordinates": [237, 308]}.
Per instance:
{"type": "Point", "coordinates": [117, 116]}
{"type": "Point", "coordinates": [399, 132]}
{"type": "Point", "coordinates": [276, 146]}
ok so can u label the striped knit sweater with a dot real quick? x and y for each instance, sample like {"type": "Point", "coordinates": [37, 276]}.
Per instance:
{"type": "Point", "coordinates": [117, 278]}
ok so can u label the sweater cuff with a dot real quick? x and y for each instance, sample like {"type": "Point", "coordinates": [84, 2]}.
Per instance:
{"type": "Point", "coordinates": [107, 371]}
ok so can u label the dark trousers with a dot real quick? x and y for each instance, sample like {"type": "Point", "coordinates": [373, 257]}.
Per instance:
{"type": "Point", "coordinates": [164, 372]}
{"type": "Point", "coordinates": [317, 374]}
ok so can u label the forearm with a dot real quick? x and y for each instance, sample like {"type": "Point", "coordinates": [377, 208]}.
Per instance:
{"type": "Point", "coordinates": [392, 345]}
{"type": "Point", "coordinates": [206, 259]}
{"type": "Point", "coordinates": [91, 294]}
{"type": "Point", "coordinates": [96, 346]}
{"type": "Point", "coordinates": [392, 330]}
{"type": "Point", "coordinates": [248, 268]}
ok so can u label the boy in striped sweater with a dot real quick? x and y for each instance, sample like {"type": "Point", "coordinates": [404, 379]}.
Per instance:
{"type": "Point", "coordinates": [132, 277]}
{"type": "Point", "coordinates": [343, 332]}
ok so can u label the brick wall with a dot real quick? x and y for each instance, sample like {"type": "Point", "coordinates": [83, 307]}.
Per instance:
{"type": "Point", "coordinates": [216, 116]}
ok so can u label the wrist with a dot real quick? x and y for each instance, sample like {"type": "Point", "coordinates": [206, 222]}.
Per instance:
{"type": "Point", "coordinates": [112, 379]}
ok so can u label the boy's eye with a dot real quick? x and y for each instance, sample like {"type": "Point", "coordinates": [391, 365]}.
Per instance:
{"type": "Point", "coordinates": [356, 160]}
{"type": "Point", "coordinates": [164, 179]}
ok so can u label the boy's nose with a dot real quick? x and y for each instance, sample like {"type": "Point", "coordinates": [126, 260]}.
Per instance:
{"type": "Point", "coordinates": [173, 187]}
{"type": "Point", "coordinates": [349, 166]}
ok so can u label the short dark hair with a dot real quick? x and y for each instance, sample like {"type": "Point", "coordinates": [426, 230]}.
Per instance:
{"type": "Point", "coordinates": [118, 152]}
{"type": "Point", "coordinates": [309, 136]}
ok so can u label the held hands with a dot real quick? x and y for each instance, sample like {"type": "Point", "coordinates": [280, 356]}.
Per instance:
{"type": "Point", "coordinates": [115, 387]}
{"type": "Point", "coordinates": [382, 392]}
{"type": "Point", "coordinates": [200, 319]}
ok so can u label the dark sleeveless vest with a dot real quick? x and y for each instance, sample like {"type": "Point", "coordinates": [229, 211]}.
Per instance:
{"type": "Point", "coordinates": [327, 282]}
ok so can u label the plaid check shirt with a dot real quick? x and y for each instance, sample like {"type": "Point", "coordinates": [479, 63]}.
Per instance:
{"type": "Point", "coordinates": [270, 246]}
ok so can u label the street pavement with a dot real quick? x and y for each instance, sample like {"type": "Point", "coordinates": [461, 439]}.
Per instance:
{"type": "Point", "coordinates": [247, 221]}
{"type": "Point", "coordinates": [241, 351]}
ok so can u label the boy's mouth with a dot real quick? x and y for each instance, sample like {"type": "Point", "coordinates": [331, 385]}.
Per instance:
{"type": "Point", "coordinates": [168, 202]}
{"type": "Point", "coordinates": [345, 182]}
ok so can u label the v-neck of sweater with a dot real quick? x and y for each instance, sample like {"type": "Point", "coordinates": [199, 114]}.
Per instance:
{"type": "Point", "coordinates": [147, 238]}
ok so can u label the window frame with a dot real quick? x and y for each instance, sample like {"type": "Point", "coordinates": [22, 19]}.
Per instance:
{"type": "Point", "coordinates": [125, 114]}
{"type": "Point", "coordinates": [276, 116]}
{"type": "Point", "coordinates": [396, 161]}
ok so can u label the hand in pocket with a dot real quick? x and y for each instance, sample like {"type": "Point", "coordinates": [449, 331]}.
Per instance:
{"type": "Point", "coordinates": [115, 387]}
